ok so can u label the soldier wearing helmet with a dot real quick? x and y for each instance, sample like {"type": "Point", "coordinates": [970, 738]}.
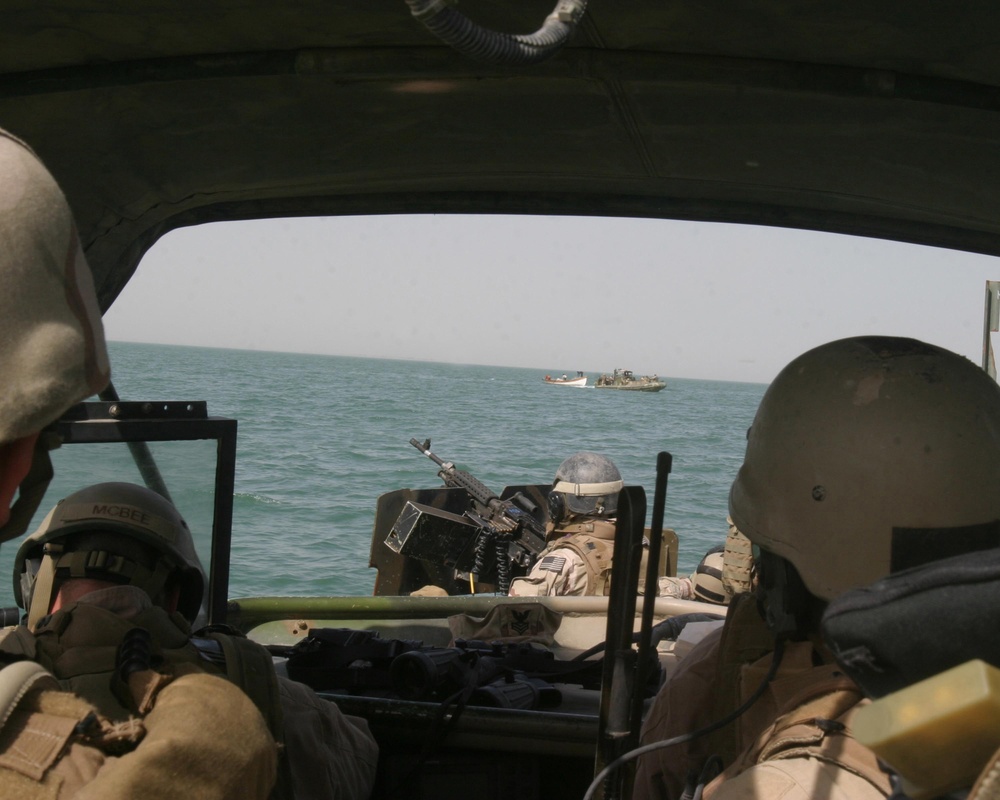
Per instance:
{"type": "Point", "coordinates": [866, 456]}
{"type": "Point", "coordinates": [115, 558]}
{"type": "Point", "coordinates": [581, 530]}
{"type": "Point", "coordinates": [705, 584]}
{"type": "Point", "coordinates": [52, 355]}
{"type": "Point", "coordinates": [113, 532]}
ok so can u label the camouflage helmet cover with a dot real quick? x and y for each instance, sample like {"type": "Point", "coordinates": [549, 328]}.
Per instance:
{"type": "Point", "coordinates": [589, 483]}
{"type": "Point", "coordinates": [54, 352]}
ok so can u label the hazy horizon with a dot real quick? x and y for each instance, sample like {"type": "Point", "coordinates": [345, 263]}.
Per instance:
{"type": "Point", "coordinates": [553, 373]}
{"type": "Point", "coordinates": [556, 294]}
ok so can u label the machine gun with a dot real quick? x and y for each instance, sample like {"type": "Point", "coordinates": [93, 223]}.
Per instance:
{"type": "Point", "coordinates": [493, 536]}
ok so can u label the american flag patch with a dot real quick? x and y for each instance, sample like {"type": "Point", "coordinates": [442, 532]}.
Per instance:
{"type": "Point", "coordinates": [552, 563]}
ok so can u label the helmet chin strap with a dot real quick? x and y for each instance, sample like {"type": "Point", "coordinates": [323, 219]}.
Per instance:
{"type": "Point", "coordinates": [788, 608]}
{"type": "Point", "coordinates": [44, 586]}
{"type": "Point", "coordinates": [62, 564]}
{"type": "Point", "coordinates": [33, 487]}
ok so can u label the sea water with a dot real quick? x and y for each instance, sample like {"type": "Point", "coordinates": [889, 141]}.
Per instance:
{"type": "Point", "coordinates": [321, 437]}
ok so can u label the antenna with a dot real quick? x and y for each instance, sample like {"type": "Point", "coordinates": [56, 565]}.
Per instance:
{"type": "Point", "coordinates": [991, 322]}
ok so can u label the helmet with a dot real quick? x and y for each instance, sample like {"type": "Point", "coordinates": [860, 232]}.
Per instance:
{"type": "Point", "coordinates": [53, 352]}
{"type": "Point", "coordinates": [707, 578]}
{"type": "Point", "coordinates": [869, 455]}
{"type": "Point", "coordinates": [585, 483]}
{"type": "Point", "coordinates": [111, 531]}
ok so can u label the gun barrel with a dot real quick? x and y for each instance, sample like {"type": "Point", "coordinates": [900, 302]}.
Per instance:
{"type": "Point", "coordinates": [425, 448]}
{"type": "Point", "coordinates": [459, 479]}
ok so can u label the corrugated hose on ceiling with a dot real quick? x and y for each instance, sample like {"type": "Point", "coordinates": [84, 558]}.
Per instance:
{"type": "Point", "coordinates": [500, 49]}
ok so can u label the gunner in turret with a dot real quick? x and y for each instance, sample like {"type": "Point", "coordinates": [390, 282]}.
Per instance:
{"type": "Point", "coordinates": [582, 505]}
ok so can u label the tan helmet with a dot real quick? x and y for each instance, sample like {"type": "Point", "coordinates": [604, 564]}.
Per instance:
{"type": "Point", "coordinates": [53, 352]}
{"type": "Point", "coordinates": [585, 483]}
{"type": "Point", "coordinates": [706, 581]}
{"type": "Point", "coordinates": [869, 455]}
{"type": "Point", "coordinates": [112, 531]}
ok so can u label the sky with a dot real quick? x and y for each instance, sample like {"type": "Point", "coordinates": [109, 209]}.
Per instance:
{"type": "Point", "coordinates": [679, 299]}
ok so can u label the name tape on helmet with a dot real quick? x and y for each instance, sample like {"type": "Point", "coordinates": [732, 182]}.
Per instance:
{"type": "Point", "coordinates": [120, 513]}
{"type": "Point", "coordinates": [588, 489]}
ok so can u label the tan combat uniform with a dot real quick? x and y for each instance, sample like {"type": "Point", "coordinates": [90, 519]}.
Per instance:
{"type": "Point", "coordinates": [577, 561]}
{"type": "Point", "coordinates": [328, 754]}
{"type": "Point", "coordinates": [793, 743]}
{"type": "Point", "coordinates": [679, 588]}
{"type": "Point", "coordinates": [55, 746]}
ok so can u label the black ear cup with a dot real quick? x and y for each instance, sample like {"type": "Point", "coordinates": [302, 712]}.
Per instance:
{"type": "Point", "coordinates": [557, 507]}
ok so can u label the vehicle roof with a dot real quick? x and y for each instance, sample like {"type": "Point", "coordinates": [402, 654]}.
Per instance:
{"type": "Point", "coordinates": [868, 117]}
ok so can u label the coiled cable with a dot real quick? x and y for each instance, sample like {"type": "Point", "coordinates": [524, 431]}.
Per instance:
{"type": "Point", "coordinates": [492, 47]}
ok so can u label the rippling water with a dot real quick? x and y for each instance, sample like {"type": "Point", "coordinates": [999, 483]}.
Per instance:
{"type": "Point", "coordinates": [321, 437]}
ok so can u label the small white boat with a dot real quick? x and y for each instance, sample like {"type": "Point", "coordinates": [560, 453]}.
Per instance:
{"type": "Point", "coordinates": [565, 380]}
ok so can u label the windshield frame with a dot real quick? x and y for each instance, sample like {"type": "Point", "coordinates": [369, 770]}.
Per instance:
{"type": "Point", "coordinates": [139, 422]}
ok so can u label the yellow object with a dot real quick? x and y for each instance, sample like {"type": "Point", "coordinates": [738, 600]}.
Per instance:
{"type": "Point", "coordinates": [938, 734]}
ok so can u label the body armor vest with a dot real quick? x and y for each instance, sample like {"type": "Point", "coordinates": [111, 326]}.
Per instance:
{"type": "Point", "coordinates": [817, 726]}
{"type": "Point", "coordinates": [593, 542]}
{"type": "Point", "coordinates": [79, 646]}
{"type": "Point", "coordinates": [813, 724]}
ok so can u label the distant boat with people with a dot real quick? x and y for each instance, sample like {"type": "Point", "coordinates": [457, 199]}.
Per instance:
{"type": "Point", "coordinates": [580, 380]}
{"type": "Point", "coordinates": [625, 379]}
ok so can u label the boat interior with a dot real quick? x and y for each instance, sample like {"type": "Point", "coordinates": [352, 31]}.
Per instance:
{"type": "Point", "coordinates": [866, 118]}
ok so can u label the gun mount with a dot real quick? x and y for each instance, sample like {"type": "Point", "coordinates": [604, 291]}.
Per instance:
{"type": "Point", "coordinates": [481, 539]}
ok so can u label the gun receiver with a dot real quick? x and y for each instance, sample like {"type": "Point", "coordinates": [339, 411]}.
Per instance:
{"type": "Point", "coordinates": [493, 535]}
